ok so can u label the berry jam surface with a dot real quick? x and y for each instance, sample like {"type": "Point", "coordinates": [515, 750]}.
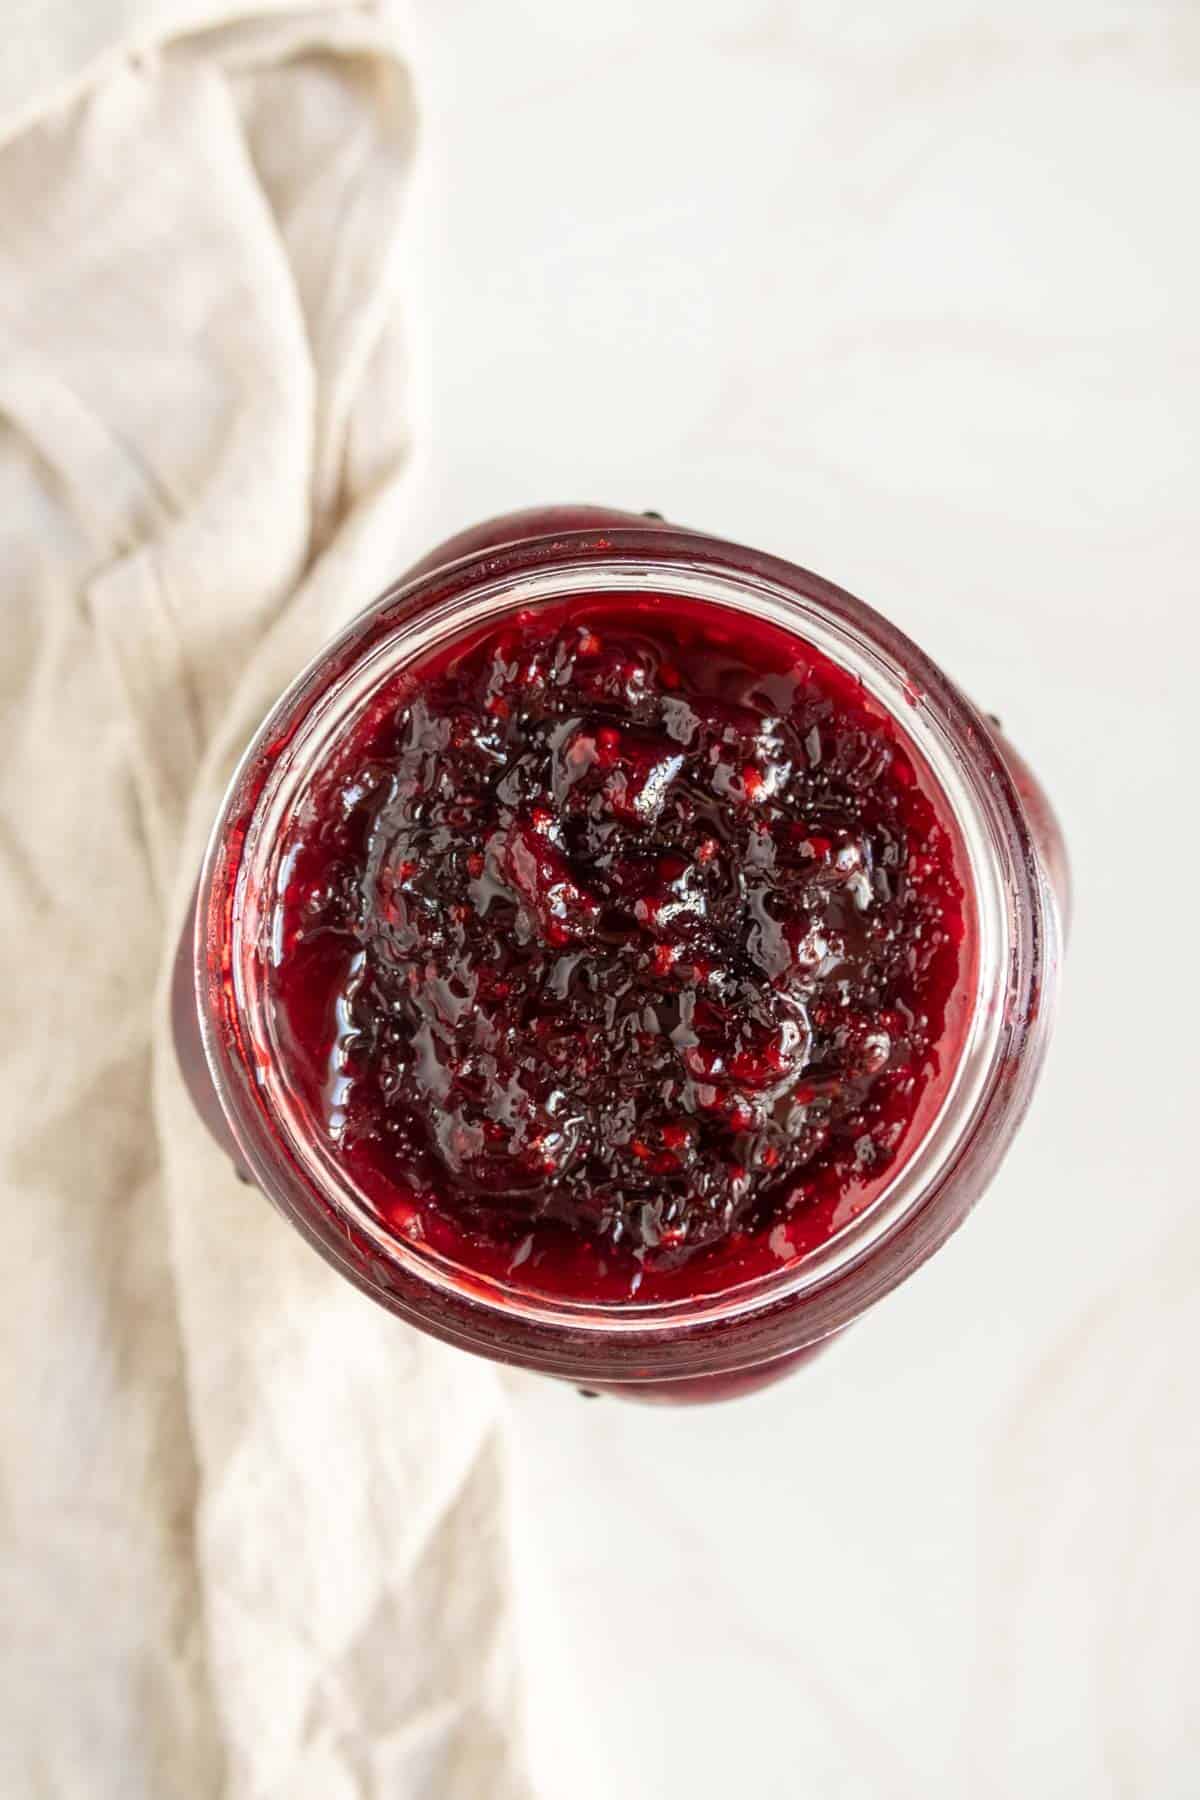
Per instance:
{"type": "Point", "coordinates": [621, 950]}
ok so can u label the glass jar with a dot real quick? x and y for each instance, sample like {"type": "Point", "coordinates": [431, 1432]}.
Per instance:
{"type": "Point", "coordinates": [711, 1345]}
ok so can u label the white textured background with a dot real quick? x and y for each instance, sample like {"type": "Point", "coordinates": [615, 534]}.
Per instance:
{"type": "Point", "coordinates": [908, 293]}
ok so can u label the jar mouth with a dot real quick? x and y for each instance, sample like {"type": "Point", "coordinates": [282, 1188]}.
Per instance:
{"type": "Point", "coordinates": [965, 774]}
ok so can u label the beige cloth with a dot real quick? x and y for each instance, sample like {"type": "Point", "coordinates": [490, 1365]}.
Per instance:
{"type": "Point", "coordinates": [252, 1526]}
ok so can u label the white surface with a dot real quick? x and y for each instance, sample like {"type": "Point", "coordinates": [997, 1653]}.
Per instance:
{"type": "Point", "coordinates": [911, 299]}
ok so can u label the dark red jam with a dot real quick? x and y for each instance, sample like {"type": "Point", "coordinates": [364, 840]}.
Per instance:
{"type": "Point", "coordinates": [621, 950]}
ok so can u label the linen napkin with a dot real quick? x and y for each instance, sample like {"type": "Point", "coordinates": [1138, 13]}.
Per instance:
{"type": "Point", "coordinates": [254, 1534]}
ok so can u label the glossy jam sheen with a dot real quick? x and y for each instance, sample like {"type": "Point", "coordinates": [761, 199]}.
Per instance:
{"type": "Point", "coordinates": [621, 950]}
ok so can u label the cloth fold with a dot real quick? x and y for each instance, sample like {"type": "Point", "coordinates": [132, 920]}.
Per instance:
{"type": "Point", "coordinates": [255, 1537]}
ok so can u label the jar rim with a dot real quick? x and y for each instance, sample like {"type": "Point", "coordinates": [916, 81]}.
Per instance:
{"type": "Point", "coordinates": [941, 1174]}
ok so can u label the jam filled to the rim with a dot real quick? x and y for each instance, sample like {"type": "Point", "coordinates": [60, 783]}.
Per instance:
{"type": "Point", "coordinates": [621, 950]}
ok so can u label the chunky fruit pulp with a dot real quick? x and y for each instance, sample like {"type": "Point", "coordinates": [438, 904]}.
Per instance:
{"type": "Point", "coordinates": [621, 950]}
